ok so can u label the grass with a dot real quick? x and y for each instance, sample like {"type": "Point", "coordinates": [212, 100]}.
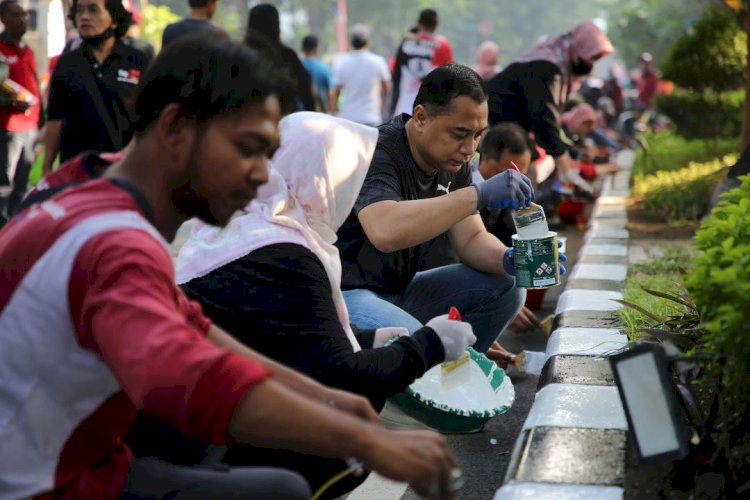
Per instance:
{"type": "Point", "coordinates": [668, 151]}
{"type": "Point", "coordinates": [662, 273]}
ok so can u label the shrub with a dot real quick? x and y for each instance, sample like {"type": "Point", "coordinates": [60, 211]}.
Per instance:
{"type": "Point", "coordinates": [669, 151]}
{"type": "Point", "coordinates": [704, 115]}
{"type": "Point", "coordinates": [711, 57]}
{"type": "Point", "coordinates": [720, 287]}
{"type": "Point", "coordinates": [682, 194]}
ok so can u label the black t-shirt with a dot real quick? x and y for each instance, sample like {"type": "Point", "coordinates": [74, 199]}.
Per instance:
{"type": "Point", "coordinates": [189, 26]}
{"type": "Point", "coordinates": [393, 175]}
{"type": "Point", "coordinates": [71, 101]}
{"type": "Point", "coordinates": [277, 300]}
{"type": "Point", "coordinates": [529, 94]}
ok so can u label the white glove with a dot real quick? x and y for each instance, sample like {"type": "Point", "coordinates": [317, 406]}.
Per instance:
{"type": "Point", "coordinates": [456, 336]}
{"type": "Point", "coordinates": [383, 335]}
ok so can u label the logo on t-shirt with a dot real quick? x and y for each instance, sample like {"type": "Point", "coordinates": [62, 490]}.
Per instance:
{"type": "Point", "coordinates": [129, 75]}
{"type": "Point", "coordinates": [447, 188]}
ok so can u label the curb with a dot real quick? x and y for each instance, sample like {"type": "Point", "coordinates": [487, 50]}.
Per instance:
{"type": "Point", "coordinates": [574, 441]}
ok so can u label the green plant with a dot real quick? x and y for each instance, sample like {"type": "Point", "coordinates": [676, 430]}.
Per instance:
{"type": "Point", "coordinates": [656, 303]}
{"type": "Point", "coordinates": [706, 115]}
{"type": "Point", "coordinates": [682, 194]}
{"type": "Point", "coordinates": [720, 284]}
{"type": "Point", "coordinates": [710, 57]}
{"type": "Point", "coordinates": [155, 19]}
{"type": "Point", "coordinates": [669, 151]}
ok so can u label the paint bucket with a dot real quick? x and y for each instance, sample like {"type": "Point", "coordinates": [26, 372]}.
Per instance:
{"type": "Point", "coordinates": [536, 261]}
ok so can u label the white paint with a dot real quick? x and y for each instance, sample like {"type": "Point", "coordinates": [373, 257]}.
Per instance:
{"type": "Point", "coordinates": [588, 300]}
{"type": "Point", "coordinates": [584, 341]}
{"type": "Point", "coordinates": [614, 272]}
{"type": "Point", "coordinates": [533, 362]}
{"type": "Point", "coordinates": [519, 490]}
{"type": "Point", "coordinates": [611, 200]}
{"type": "Point", "coordinates": [612, 191]}
{"type": "Point", "coordinates": [376, 486]}
{"type": "Point", "coordinates": [608, 250]}
{"type": "Point", "coordinates": [599, 230]}
{"type": "Point", "coordinates": [577, 406]}
{"type": "Point", "coordinates": [625, 158]}
{"type": "Point", "coordinates": [605, 211]}
{"type": "Point", "coordinates": [474, 395]}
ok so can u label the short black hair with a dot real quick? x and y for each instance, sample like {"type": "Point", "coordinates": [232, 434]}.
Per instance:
{"type": "Point", "coordinates": [196, 4]}
{"type": "Point", "coordinates": [309, 43]}
{"type": "Point", "coordinates": [428, 18]}
{"type": "Point", "coordinates": [504, 136]}
{"type": "Point", "coordinates": [121, 17]}
{"type": "Point", "coordinates": [445, 83]}
{"type": "Point", "coordinates": [264, 18]}
{"type": "Point", "coordinates": [5, 6]}
{"type": "Point", "coordinates": [218, 77]}
{"type": "Point", "coordinates": [359, 35]}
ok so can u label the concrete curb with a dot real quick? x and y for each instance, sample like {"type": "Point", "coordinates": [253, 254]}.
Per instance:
{"type": "Point", "coordinates": [574, 440]}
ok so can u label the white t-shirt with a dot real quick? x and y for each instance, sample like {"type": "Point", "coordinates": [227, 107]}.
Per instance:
{"type": "Point", "coordinates": [361, 73]}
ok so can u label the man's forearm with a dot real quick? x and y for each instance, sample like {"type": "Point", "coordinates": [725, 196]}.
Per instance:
{"type": "Point", "coordinates": [272, 414]}
{"type": "Point", "coordinates": [484, 253]}
{"type": "Point", "coordinates": [395, 225]}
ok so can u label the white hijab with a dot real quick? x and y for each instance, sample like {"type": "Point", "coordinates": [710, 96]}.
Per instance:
{"type": "Point", "coordinates": [315, 178]}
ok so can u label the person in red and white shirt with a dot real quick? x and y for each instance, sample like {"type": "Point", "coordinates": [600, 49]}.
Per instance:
{"type": "Point", "coordinates": [418, 54]}
{"type": "Point", "coordinates": [93, 328]}
{"type": "Point", "coordinates": [19, 105]}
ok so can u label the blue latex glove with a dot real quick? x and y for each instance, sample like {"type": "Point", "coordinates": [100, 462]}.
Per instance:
{"type": "Point", "coordinates": [509, 261]}
{"type": "Point", "coordinates": [509, 189]}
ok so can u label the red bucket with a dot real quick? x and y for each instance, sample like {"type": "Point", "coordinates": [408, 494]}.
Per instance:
{"type": "Point", "coordinates": [569, 210]}
{"type": "Point", "coordinates": [534, 298]}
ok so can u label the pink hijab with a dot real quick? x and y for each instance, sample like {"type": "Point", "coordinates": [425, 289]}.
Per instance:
{"type": "Point", "coordinates": [488, 54]}
{"type": "Point", "coordinates": [584, 41]}
{"type": "Point", "coordinates": [577, 116]}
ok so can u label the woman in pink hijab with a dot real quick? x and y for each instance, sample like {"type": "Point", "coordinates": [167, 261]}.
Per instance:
{"type": "Point", "coordinates": [488, 55]}
{"type": "Point", "coordinates": [532, 89]}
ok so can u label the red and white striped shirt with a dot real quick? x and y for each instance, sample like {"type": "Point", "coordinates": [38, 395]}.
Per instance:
{"type": "Point", "coordinates": [93, 328]}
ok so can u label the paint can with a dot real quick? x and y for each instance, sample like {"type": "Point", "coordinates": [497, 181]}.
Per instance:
{"type": "Point", "coordinates": [536, 261]}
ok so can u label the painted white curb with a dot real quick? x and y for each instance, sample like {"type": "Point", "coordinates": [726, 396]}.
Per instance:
{"type": "Point", "coordinates": [588, 300]}
{"type": "Point", "coordinates": [577, 406]}
{"type": "Point", "coordinates": [605, 250]}
{"type": "Point", "coordinates": [519, 490]}
{"type": "Point", "coordinates": [612, 272]}
{"type": "Point", "coordinates": [584, 341]}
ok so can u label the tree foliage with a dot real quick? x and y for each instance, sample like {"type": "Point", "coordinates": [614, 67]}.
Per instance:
{"type": "Point", "coordinates": [652, 25]}
{"type": "Point", "coordinates": [712, 57]}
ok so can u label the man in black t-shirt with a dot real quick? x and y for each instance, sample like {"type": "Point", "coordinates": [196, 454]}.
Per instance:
{"type": "Point", "coordinates": [418, 187]}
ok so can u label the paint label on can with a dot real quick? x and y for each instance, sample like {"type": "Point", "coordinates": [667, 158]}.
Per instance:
{"type": "Point", "coordinates": [536, 261]}
{"type": "Point", "coordinates": [527, 218]}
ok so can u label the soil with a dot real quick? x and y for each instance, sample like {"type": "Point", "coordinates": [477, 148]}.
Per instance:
{"type": "Point", "coordinates": [649, 239]}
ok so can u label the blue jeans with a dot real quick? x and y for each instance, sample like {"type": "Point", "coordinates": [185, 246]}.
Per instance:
{"type": "Point", "coordinates": [488, 301]}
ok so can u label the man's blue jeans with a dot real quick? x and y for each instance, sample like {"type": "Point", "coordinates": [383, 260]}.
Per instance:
{"type": "Point", "coordinates": [488, 301]}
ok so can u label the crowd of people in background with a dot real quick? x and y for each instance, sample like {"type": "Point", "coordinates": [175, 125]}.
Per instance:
{"type": "Point", "coordinates": [255, 365]}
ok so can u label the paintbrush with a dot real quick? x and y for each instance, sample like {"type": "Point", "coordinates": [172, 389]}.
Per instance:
{"type": "Point", "coordinates": [455, 373]}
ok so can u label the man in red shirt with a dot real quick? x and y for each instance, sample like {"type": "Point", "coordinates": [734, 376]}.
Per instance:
{"type": "Point", "coordinates": [19, 106]}
{"type": "Point", "coordinates": [93, 328]}
{"type": "Point", "coordinates": [419, 53]}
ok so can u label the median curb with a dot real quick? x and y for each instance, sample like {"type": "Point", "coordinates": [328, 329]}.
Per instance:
{"type": "Point", "coordinates": [574, 441]}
